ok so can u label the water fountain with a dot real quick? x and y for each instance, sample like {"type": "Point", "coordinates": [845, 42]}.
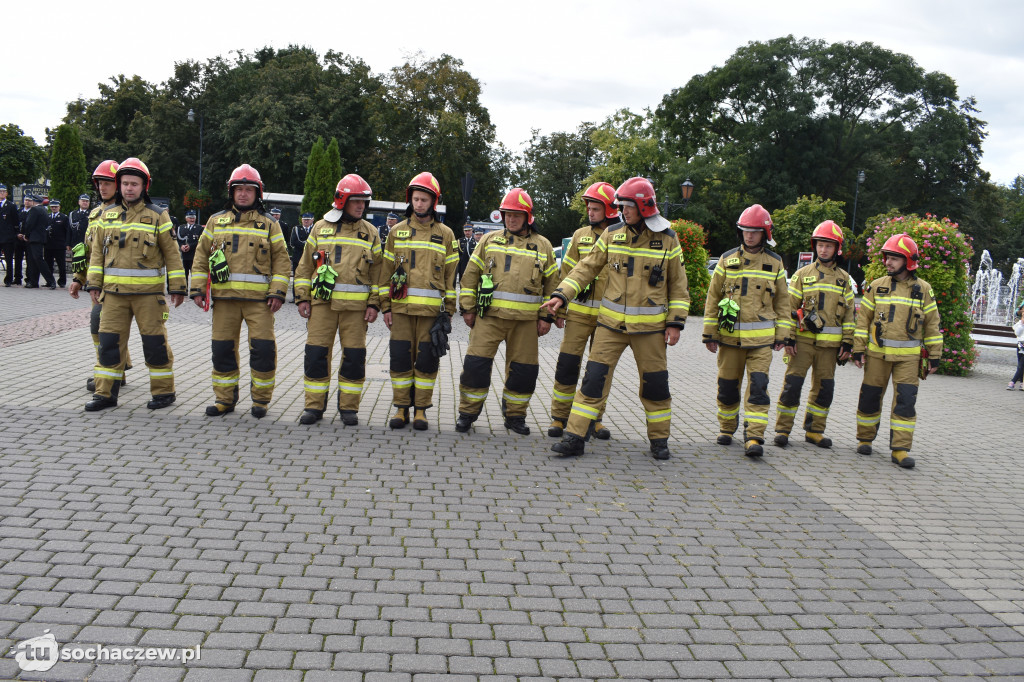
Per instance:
{"type": "Point", "coordinates": [1014, 292]}
{"type": "Point", "coordinates": [979, 290]}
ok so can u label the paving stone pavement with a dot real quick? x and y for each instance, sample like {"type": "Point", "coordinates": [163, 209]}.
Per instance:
{"type": "Point", "coordinates": [319, 553]}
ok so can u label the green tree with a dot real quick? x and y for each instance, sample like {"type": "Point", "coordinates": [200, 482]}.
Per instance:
{"type": "Point", "coordinates": [787, 117]}
{"type": "Point", "coordinates": [68, 175]}
{"type": "Point", "coordinates": [552, 169]}
{"type": "Point", "coordinates": [21, 159]}
{"type": "Point", "coordinates": [318, 189]}
{"type": "Point", "coordinates": [794, 224]}
{"type": "Point", "coordinates": [332, 163]}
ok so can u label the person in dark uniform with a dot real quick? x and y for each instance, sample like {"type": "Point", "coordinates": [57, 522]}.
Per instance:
{"type": "Point", "coordinates": [34, 237]}
{"type": "Point", "coordinates": [188, 237]}
{"type": "Point", "coordinates": [21, 245]}
{"type": "Point", "coordinates": [298, 239]}
{"type": "Point", "coordinates": [10, 220]}
{"type": "Point", "coordinates": [466, 244]}
{"type": "Point", "coordinates": [57, 237]}
{"type": "Point", "coordinates": [384, 229]}
{"type": "Point", "coordinates": [275, 213]}
{"type": "Point", "coordinates": [79, 219]}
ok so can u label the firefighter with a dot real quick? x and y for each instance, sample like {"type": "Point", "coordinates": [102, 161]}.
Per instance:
{"type": "Point", "coordinates": [241, 262]}
{"type": "Point", "coordinates": [510, 274]}
{"type": "Point", "coordinates": [103, 181]}
{"type": "Point", "coordinates": [644, 307]}
{"type": "Point", "coordinates": [131, 247]}
{"type": "Point", "coordinates": [897, 337]}
{"type": "Point", "coordinates": [579, 317]}
{"type": "Point", "coordinates": [336, 291]}
{"type": "Point", "coordinates": [822, 301]}
{"type": "Point", "coordinates": [417, 295]}
{"type": "Point", "coordinates": [747, 315]}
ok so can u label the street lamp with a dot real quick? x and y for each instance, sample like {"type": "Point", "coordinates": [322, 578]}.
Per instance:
{"type": "Point", "coordinates": [192, 119]}
{"type": "Point", "coordinates": [686, 189]}
{"type": "Point", "coordinates": [853, 223]}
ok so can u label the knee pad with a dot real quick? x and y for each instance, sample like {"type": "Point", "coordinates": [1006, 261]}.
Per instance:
{"type": "Point", "coordinates": [791, 388]}
{"type": "Point", "coordinates": [224, 356]}
{"type": "Point", "coordinates": [759, 389]}
{"type": "Point", "coordinates": [522, 378]}
{"type": "Point", "coordinates": [870, 401]}
{"type": "Point", "coordinates": [593, 379]}
{"type": "Point", "coordinates": [94, 319]}
{"type": "Point", "coordinates": [401, 356]}
{"type": "Point", "coordinates": [654, 386]}
{"type": "Point", "coordinates": [567, 369]}
{"type": "Point", "coordinates": [825, 392]}
{"type": "Point", "coordinates": [353, 363]}
{"type": "Point", "coordinates": [476, 372]}
{"type": "Point", "coordinates": [154, 349]}
{"type": "Point", "coordinates": [728, 391]}
{"type": "Point", "coordinates": [906, 399]}
{"type": "Point", "coordinates": [316, 362]}
{"type": "Point", "coordinates": [110, 351]}
{"type": "Point", "coordinates": [426, 361]}
{"type": "Point", "coordinates": [262, 355]}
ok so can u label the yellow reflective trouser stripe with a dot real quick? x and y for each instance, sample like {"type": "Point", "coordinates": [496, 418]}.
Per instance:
{"type": "Point", "coordinates": [563, 397]}
{"type": "Point", "coordinates": [584, 411]}
{"type": "Point", "coordinates": [423, 383]}
{"type": "Point", "coordinates": [468, 395]}
{"type": "Point", "coordinates": [515, 397]}
{"type": "Point", "coordinates": [901, 425]}
{"type": "Point", "coordinates": [728, 414]}
{"type": "Point", "coordinates": [350, 387]}
{"type": "Point", "coordinates": [782, 409]}
{"type": "Point", "coordinates": [262, 383]}
{"type": "Point", "coordinates": [756, 417]}
{"type": "Point", "coordinates": [175, 273]}
{"type": "Point", "coordinates": [230, 380]}
{"type": "Point", "coordinates": [317, 386]}
{"type": "Point", "coordinates": [820, 411]}
{"type": "Point", "coordinates": [401, 382]}
{"type": "Point", "coordinates": [157, 373]}
{"type": "Point", "coordinates": [658, 415]}
{"type": "Point", "coordinates": [112, 373]}
{"type": "Point", "coordinates": [869, 421]}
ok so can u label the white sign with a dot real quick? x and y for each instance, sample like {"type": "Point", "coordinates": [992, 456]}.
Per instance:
{"type": "Point", "coordinates": [495, 216]}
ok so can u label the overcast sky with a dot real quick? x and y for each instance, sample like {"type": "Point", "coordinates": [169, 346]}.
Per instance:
{"type": "Point", "coordinates": [548, 65]}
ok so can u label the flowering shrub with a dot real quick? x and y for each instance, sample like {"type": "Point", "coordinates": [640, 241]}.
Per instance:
{"type": "Point", "coordinates": [197, 198]}
{"type": "Point", "coordinates": [692, 239]}
{"type": "Point", "coordinates": [945, 259]}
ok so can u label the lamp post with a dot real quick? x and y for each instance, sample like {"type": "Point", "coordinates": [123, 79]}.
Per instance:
{"type": "Point", "coordinates": [192, 119]}
{"type": "Point", "coordinates": [686, 189]}
{"type": "Point", "coordinates": [853, 222]}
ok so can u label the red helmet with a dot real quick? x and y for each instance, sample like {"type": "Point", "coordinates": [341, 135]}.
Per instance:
{"type": "Point", "coordinates": [518, 200]}
{"type": "Point", "coordinates": [246, 175]}
{"type": "Point", "coordinates": [133, 166]}
{"type": "Point", "coordinates": [830, 232]}
{"type": "Point", "coordinates": [640, 192]}
{"type": "Point", "coordinates": [603, 193]}
{"type": "Point", "coordinates": [351, 186]}
{"type": "Point", "coordinates": [903, 245]}
{"type": "Point", "coordinates": [756, 218]}
{"type": "Point", "coordinates": [426, 182]}
{"type": "Point", "coordinates": [107, 170]}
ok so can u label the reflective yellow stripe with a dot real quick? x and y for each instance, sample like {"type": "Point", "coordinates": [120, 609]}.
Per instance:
{"type": "Point", "coordinates": [350, 387]}
{"type": "Point", "coordinates": [658, 415]}
{"type": "Point", "coordinates": [262, 383]}
{"type": "Point", "coordinates": [756, 417]}
{"type": "Point", "coordinates": [901, 425]}
{"type": "Point", "coordinates": [584, 411]}
{"type": "Point", "coordinates": [558, 396]}
{"type": "Point", "coordinates": [231, 380]}
{"type": "Point", "coordinates": [317, 386]}
{"type": "Point", "coordinates": [889, 350]}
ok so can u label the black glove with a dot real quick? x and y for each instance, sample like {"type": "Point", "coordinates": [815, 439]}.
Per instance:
{"type": "Point", "coordinates": [845, 347]}
{"type": "Point", "coordinates": [934, 362]}
{"type": "Point", "coordinates": [858, 357]}
{"type": "Point", "coordinates": [439, 332]}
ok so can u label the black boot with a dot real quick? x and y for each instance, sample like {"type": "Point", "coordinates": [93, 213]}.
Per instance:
{"type": "Point", "coordinates": [556, 428]}
{"type": "Point", "coordinates": [349, 417]}
{"type": "Point", "coordinates": [517, 424]}
{"type": "Point", "coordinates": [571, 445]}
{"type": "Point", "coordinates": [419, 421]}
{"type": "Point", "coordinates": [864, 448]}
{"type": "Point", "coordinates": [98, 403]}
{"type": "Point", "coordinates": [258, 410]}
{"type": "Point", "coordinates": [724, 439]}
{"type": "Point", "coordinates": [90, 385]}
{"type": "Point", "coordinates": [161, 401]}
{"type": "Point", "coordinates": [659, 448]}
{"type": "Point", "coordinates": [464, 422]}
{"type": "Point", "coordinates": [219, 409]}
{"type": "Point", "coordinates": [400, 419]}
{"type": "Point", "coordinates": [754, 449]}
{"type": "Point", "coordinates": [310, 416]}
{"type": "Point", "coordinates": [782, 439]}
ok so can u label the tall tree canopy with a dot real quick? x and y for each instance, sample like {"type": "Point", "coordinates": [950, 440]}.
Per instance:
{"type": "Point", "coordinates": [21, 159]}
{"type": "Point", "coordinates": [68, 175]}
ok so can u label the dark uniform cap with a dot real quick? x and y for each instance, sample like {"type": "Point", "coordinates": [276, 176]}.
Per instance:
{"type": "Point", "coordinates": [307, 215]}
{"type": "Point", "coordinates": [54, 202]}
{"type": "Point", "coordinates": [83, 196]}
{"type": "Point", "coordinates": [3, 186]}
{"type": "Point", "coordinates": [191, 214]}
{"type": "Point", "coordinates": [392, 216]}
{"type": "Point", "coordinates": [275, 211]}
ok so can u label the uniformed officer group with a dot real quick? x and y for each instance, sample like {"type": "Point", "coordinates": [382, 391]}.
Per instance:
{"type": "Point", "coordinates": [621, 284]}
